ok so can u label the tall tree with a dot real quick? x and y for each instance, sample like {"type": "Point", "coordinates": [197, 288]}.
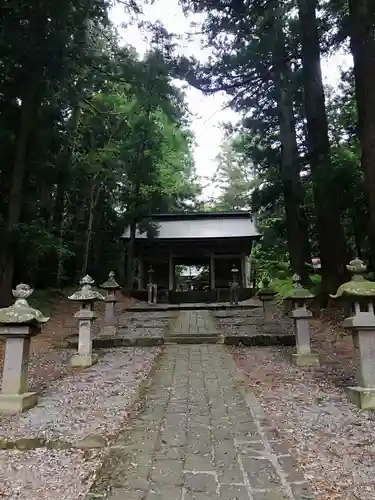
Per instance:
{"type": "Point", "coordinates": [232, 178]}
{"type": "Point", "coordinates": [333, 251]}
{"type": "Point", "coordinates": [87, 143]}
{"type": "Point", "coordinates": [252, 64]}
{"type": "Point", "coordinates": [362, 31]}
{"type": "Point", "coordinates": [50, 30]}
{"type": "Point", "coordinates": [296, 223]}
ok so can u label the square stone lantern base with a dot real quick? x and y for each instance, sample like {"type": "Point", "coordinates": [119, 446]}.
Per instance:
{"type": "Point", "coordinates": [108, 331]}
{"type": "Point", "coordinates": [362, 397]}
{"type": "Point", "coordinates": [18, 403]}
{"type": "Point", "coordinates": [83, 360]}
{"type": "Point", "coordinates": [304, 360]}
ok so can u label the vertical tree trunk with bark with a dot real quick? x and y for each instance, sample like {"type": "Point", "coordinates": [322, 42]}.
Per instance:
{"type": "Point", "coordinates": [297, 232]}
{"type": "Point", "coordinates": [94, 198]}
{"type": "Point", "coordinates": [362, 14]}
{"type": "Point", "coordinates": [333, 251]}
{"type": "Point", "coordinates": [59, 210]}
{"type": "Point", "coordinates": [30, 105]}
{"type": "Point", "coordinates": [130, 258]}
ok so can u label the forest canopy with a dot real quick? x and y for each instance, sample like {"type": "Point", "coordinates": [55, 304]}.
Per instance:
{"type": "Point", "coordinates": [95, 140]}
{"type": "Point", "coordinates": [93, 137]}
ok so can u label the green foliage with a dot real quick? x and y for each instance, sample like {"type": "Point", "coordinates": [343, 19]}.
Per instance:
{"type": "Point", "coordinates": [91, 138]}
{"type": "Point", "coordinates": [233, 177]}
{"type": "Point", "coordinates": [257, 49]}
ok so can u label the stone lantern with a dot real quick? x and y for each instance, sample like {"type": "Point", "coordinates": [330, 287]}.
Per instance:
{"type": "Point", "coordinates": [267, 295]}
{"type": "Point", "coordinates": [233, 285]}
{"type": "Point", "coordinates": [110, 305]}
{"type": "Point", "coordinates": [86, 317]}
{"type": "Point", "coordinates": [18, 323]}
{"type": "Point", "coordinates": [299, 297]}
{"type": "Point", "coordinates": [152, 288]}
{"type": "Point", "coordinates": [361, 294]}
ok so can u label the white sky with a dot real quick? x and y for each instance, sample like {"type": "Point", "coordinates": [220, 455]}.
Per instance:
{"type": "Point", "coordinates": [207, 111]}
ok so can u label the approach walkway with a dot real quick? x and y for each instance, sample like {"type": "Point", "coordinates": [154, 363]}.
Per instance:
{"type": "Point", "coordinates": [199, 436]}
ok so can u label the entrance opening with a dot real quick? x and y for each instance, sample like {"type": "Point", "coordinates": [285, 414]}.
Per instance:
{"type": "Point", "coordinates": [192, 278]}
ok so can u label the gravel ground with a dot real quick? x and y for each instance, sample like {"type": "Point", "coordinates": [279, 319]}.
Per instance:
{"type": "Point", "coordinates": [53, 474]}
{"type": "Point", "coordinates": [93, 401]}
{"type": "Point", "coordinates": [91, 404]}
{"type": "Point", "coordinates": [332, 440]}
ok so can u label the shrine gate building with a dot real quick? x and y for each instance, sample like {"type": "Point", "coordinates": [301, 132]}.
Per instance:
{"type": "Point", "coordinates": [217, 240]}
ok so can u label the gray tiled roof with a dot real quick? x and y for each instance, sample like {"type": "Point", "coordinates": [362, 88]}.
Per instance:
{"type": "Point", "coordinates": [202, 225]}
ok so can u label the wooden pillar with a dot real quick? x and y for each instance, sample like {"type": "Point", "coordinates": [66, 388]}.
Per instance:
{"type": "Point", "coordinates": [212, 272]}
{"type": "Point", "coordinates": [171, 272]}
{"type": "Point", "coordinates": [248, 271]}
{"type": "Point", "coordinates": [140, 273]}
{"type": "Point", "coordinates": [243, 271]}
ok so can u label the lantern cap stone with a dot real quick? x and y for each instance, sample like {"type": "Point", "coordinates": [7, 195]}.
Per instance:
{"type": "Point", "coordinates": [297, 291]}
{"type": "Point", "coordinates": [266, 289]}
{"type": "Point", "coordinates": [21, 313]}
{"type": "Point", "coordinates": [86, 294]}
{"type": "Point", "coordinates": [358, 286]}
{"type": "Point", "coordinates": [110, 283]}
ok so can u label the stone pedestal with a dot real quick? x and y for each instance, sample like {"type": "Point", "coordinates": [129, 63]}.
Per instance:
{"type": "Point", "coordinates": [110, 327]}
{"type": "Point", "coordinates": [110, 322]}
{"type": "Point", "coordinates": [18, 324]}
{"type": "Point", "coordinates": [15, 396]}
{"type": "Point", "coordinates": [152, 293]}
{"type": "Point", "coordinates": [362, 327]}
{"type": "Point", "coordinates": [303, 356]}
{"type": "Point", "coordinates": [85, 357]}
{"type": "Point", "coordinates": [233, 286]}
{"type": "Point", "coordinates": [269, 307]}
{"type": "Point", "coordinates": [86, 317]}
{"type": "Point", "coordinates": [233, 293]}
{"type": "Point", "coordinates": [361, 294]}
{"type": "Point", "coordinates": [152, 288]}
{"type": "Point", "coordinates": [267, 296]}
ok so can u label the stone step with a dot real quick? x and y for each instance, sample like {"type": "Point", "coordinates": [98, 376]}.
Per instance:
{"type": "Point", "coordinates": [266, 340]}
{"type": "Point", "coordinates": [190, 307]}
{"type": "Point", "coordinates": [116, 341]}
{"type": "Point", "coordinates": [192, 339]}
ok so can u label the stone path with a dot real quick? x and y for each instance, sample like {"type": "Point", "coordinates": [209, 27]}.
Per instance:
{"type": "Point", "coordinates": [199, 322]}
{"type": "Point", "coordinates": [198, 436]}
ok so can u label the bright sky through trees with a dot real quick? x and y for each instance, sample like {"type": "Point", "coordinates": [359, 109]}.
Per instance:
{"type": "Point", "coordinates": [208, 111]}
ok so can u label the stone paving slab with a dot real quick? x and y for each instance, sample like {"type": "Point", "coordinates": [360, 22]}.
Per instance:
{"type": "Point", "coordinates": [198, 436]}
{"type": "Point", "coordinates": [199, 322]}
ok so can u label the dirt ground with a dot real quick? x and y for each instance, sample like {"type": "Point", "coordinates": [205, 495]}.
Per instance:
{"type": "Point", "coordinates": [60, 325]}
